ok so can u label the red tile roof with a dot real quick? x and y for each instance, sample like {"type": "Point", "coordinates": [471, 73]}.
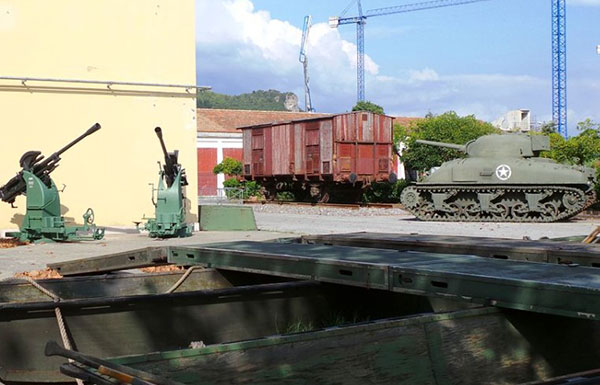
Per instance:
{"type": "Point", "coordinates": [217, 120]}
{"type": "Point", "coordinates": [220, 120]}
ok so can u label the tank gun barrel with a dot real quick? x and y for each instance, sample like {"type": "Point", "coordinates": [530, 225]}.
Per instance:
{"type": "Point", "coordinates": [453, 146]}
{"type": "Point", "coordinates": [34, 162]}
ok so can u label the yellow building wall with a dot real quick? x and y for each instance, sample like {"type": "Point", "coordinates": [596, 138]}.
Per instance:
{"type": "Point", "coordinates": [145, 41]}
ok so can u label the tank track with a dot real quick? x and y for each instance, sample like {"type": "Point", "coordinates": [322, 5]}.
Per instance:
{"type": "Point", "coordinates": [505, 204]}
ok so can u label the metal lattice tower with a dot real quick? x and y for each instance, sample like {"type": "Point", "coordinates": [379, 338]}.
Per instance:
{"type": "Point", "coordinates": [361, 20]}
{"type": "Point", "coordinates": [360, 55]}
{"type": "Point", "coordinates": [559, 66]}
{"type": "Point", "coordinates": [304, 60]}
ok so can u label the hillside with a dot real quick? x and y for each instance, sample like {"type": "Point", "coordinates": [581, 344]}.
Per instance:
{"type": "Point", "coordinates": [271, 100]}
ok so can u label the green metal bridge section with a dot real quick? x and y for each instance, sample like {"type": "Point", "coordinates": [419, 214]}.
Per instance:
{"type": "Point", "coordinates": [567, 290]}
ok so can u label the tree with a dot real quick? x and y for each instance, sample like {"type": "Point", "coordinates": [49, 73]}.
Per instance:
{"type": "Point", "coordinates": [586, 125]}
{"type": "Point", "coordinates": [228, 166]}
{"type": "Point", "coordinates": [583, 149]}
{"type": "Point", "coordinates": [368, 106]}
{"type": "Point", "coordinates": [548, 128]}
{"type": "Point", "coordinates": [447, 127]}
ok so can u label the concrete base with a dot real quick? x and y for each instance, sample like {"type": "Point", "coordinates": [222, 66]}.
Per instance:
{"type": "Point", "coordinates": [226, 218]}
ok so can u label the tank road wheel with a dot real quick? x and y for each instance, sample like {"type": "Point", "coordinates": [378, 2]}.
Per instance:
{"type": "Point", "coordinates": [500, 211]}
{"type": "Point", "coordinates": [473, 211]}
{"type": "Point", "coordinates": [520, 211]}
{"type": "Point", "coordinates": [550, 211]}
{"type": "Point", "coordinates": [456, 212]}
{"type": "Point", "coordinates": [465, 210]}
{"type": "Point", "coordinates": [425, 211]}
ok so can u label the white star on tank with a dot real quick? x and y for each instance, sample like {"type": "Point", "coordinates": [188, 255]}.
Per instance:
{"type": "Point", "coordinates": [503, 172]}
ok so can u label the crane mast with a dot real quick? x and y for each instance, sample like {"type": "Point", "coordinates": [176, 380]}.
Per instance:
{"type": "Point", "coordinates": [559, 66]}
{"type": "Point", "coordinates": [304, 60]}
{"type": "Point", "coordinates": [361, 20]}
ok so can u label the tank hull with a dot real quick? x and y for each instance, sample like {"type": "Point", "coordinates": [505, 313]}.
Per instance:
{"type": "Point", "coordinates": [497, 203]}
{"type": "Point", "coordinates": [502, 180]}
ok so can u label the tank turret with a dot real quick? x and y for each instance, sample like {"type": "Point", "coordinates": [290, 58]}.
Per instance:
{"type": "Point", "coordinates": [512, 145]}
{"type": "Point", "coordinates": [453, 146]}
{"type": "Point", "coordinates": [501, 179]}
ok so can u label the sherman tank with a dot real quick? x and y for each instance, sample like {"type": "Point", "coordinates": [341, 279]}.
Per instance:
{"type": "Point", "coordinates": [502, 179]}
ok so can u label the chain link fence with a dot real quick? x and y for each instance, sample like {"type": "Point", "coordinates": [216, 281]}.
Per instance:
{"type": "Point", "coordinates": [224, 195]}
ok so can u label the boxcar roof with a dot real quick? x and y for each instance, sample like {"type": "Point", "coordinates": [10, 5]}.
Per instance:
{"type": "Point", "coordinates": [276, 123]}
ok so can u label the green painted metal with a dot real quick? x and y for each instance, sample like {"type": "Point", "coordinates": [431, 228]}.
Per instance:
{"type": "Point", "coordinates": [478, 346]}
{"type": "Point", "coordinates": [549, 251]}
{"type": "Point", "coordinates": [571, 290]}
{"type": "Point", "coordinates": [226, 218]}
{"type": "Point", "coordinates": [131, 259]}
{"type": "Point", "coordinates": [169, 219]}
{"type": "Point", "coordinates": [43, 221]}
{"type": "Point", "coordinates": [109, 285]}
{"type": "Point", "coordinates": [108, 326]}
{"type": "Point", "coordinates": [502, 179]}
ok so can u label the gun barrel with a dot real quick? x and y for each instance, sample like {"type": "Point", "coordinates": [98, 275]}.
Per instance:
{"type": "Point", "coordinates": [90, 131]}
{"type": "Point", "coordinates": [158, 131]}
{"type": "Point", "coordinates": [16, 185]}
{"type": "Point", "coordinates": [454, 146]}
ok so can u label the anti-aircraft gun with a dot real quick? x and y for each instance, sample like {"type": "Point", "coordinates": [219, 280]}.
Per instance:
{"type": "Point", "coordinates": [43, 221]}
{"type": "Point", "coordinates": [169, 220]}
{"type": "Point", "coordinates": [502, 179]}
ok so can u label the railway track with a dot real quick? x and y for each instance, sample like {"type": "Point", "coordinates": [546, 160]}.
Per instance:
{"type": "Point", "coordinates": [589, 213]}
{"type": "Point", "coordinates": [352, 206]}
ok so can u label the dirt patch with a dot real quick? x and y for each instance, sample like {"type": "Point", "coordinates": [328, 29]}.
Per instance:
{"type": "Point", "coordinates": [161, 269]}
{"type": "Point", "coordinates": [6, 243]}
{"type": "Point", "coordinates": [40, 274]}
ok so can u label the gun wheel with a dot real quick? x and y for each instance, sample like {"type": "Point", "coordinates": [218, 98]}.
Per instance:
{"type": "Point", "coordinates": [88, 217]}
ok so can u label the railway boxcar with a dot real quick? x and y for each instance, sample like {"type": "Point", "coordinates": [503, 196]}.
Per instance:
{"type": "Point", "coordinates": [314, 158]}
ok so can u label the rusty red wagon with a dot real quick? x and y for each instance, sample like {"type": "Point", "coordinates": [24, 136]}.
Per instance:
{"type": "Point", "coordinates": [315, 158]}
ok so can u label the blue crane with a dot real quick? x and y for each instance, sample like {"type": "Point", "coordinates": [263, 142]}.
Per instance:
{"type": "Point", "coordinates": [361, 20]}
{"type": "Point", "coordinates": [304, 60]}
{"type": "Point", "coordinates": [559, 66]}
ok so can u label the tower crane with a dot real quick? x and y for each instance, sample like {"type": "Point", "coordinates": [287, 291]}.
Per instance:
{"type": "Point", "coordinates": [361, 20]}
{"type": "Point", "coordinates": [559, 66]}
{"type": "Point", "coordinates": [304, 60]}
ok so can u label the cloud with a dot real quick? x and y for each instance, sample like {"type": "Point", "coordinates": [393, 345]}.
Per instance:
{"type": "Point", "coordinates": [240, 49]}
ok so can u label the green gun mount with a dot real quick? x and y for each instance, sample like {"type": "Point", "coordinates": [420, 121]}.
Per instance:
{"type": "Point", "coordinates": [43, 221]}
{"type": "Point", "coordinates": [169, 204]}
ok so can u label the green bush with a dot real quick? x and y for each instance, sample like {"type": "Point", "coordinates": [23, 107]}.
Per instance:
{"type": "Point", "coordinates": [252, 189]}
{"type": "Point", "coordinates": [236, 189]}
{"type": "Point", "coordinates": [285, 196]}
{"type": "Point", "coordinates": [228, 166]}
{"type": "Point", "coordinates": [447, 127]}
{"type": "Point", "coordinates": [368, 106]}
{"type": "Point", "coordinates": [384, 192]}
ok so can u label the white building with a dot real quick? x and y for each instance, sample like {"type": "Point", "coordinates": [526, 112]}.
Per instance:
{"type": "Point", "coordinates": [514, 121]}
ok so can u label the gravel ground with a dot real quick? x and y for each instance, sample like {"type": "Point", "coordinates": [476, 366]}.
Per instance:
{"type": "Point", "coordinates": [326, 220]}
{"type": "Point", "coordinates": [327, 211]}
{"type": "Point", "coordinates": [276, 221]}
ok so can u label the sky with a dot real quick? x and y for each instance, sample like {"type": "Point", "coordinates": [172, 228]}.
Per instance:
{"type": "Point", "coordinates": [480, 59]}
